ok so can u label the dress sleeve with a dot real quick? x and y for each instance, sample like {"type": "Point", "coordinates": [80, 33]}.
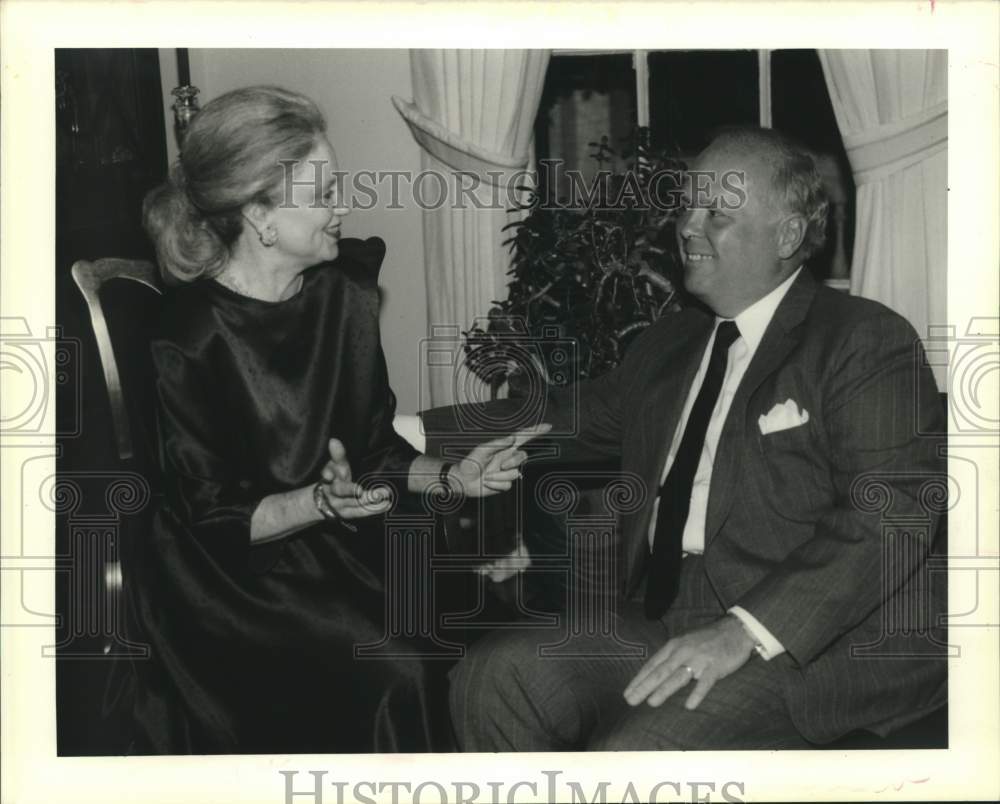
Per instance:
{"type": "Point", "coordinates": [205, 487]}
{"type": "Point", "coordinates": [388, 455]}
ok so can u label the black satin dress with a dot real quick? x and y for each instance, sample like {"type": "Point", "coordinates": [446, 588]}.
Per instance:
{"type": "Point", "coordinates": [252, 646]}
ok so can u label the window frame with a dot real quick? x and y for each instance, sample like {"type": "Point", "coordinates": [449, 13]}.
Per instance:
{"type": "Point", "coordinates": [640, 67]}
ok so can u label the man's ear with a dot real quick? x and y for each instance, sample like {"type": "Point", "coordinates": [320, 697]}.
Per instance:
{"type": "Point", "coordinates": [791, 235]}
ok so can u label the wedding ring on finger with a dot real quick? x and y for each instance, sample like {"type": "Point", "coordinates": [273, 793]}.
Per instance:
{"type": "Point", "coordinates": [689, 670]}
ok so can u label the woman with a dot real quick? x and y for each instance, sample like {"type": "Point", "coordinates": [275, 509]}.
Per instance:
{"type": "Point", "coordinates": [264, 569]}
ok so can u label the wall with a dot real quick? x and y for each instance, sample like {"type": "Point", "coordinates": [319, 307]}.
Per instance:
{"type": "Point", "coordinates": [353, 89]}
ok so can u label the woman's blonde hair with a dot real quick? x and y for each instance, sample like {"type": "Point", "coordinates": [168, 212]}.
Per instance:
{"type": "Point", "coordinates": [231, 157]}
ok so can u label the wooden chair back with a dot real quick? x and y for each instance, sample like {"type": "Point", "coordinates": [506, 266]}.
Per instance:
{"type": "Point", "coordinates": [91, 278]}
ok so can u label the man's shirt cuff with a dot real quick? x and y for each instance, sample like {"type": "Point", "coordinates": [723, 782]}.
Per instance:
{"type": "Point", "coordinates": [766, 645]}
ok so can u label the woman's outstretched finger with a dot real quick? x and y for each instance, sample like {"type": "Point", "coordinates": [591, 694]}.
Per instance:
{"type": "Point", "coordinates": [528, 433]}
{"type": "Point", "coordinates": [502, 476]}
{"type": "Point", "coordinates": [511, 441]}
{"type": "Point", "coordinates": [497, 486]}
{"type": "Point", "coordinates": [488, 449]}
{"type": "Point", "coordinates": [512, 460]}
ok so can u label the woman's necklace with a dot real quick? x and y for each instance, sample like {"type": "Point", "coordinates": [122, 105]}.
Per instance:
{"type": "Point", "coordinates": [236, 284]}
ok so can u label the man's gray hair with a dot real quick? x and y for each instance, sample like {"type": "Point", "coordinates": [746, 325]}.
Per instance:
{"type": "Point", "coordinates": [796, 179]}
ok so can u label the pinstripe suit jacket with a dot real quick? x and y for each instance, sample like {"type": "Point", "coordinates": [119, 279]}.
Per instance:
{"type": "Point", "coordinates": [800, 522]}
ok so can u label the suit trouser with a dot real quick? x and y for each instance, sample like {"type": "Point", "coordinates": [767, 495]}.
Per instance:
{"type": "Point", "coordinates": [510, 695]}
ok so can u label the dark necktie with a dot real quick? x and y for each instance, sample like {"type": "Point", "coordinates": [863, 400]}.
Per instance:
{"type": "Point", "coordinates": [675, 493]}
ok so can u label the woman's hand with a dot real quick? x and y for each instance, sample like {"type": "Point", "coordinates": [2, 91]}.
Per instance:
{"type": "Point", "coordinates": [343, 495]}
{"type": "Point", "coordinates": [494, 466]}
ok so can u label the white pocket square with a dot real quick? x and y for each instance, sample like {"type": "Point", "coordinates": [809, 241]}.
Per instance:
{"type": "Point", "coordinates": [782, 417]}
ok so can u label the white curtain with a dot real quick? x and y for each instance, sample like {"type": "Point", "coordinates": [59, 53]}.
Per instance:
{"type": "Point", "coordinates": [473, 112]}
{"type": "Point", "coordinates": [892, 110]}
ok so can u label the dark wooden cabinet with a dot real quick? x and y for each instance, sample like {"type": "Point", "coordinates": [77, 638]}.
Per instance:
{"type": "Point", "coordinates": [110, 150]}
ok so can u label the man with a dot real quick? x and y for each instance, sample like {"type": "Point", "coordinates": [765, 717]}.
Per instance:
{"type": "Point", "coordinates": [756, 575]}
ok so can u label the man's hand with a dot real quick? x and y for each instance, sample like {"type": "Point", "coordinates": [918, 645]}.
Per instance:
{"type": "Point", "coordinates": [706, 655]}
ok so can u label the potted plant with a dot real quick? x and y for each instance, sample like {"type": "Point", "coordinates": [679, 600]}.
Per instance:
{"type": "Point", "coordinates": [597, 274]}
{"type": "Point", "coordinates": [594, 275]}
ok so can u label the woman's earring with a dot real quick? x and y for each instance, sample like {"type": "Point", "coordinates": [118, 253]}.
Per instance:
{"type": "Point", "coordinates": [268, 237]}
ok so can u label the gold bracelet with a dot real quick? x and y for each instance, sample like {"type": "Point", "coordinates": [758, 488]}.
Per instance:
{"type": "Point", "coordinates": [326, 510]}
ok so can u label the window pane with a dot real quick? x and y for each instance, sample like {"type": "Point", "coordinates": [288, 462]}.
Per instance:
{"type": "Point", "coordinates": [800, 103]}
{"type": "Point", "coordinates": [693, 93]}
{"type": "Point", "coordinates": [584, 99]}
{"type": "Point", "coordinates": [801, 108]}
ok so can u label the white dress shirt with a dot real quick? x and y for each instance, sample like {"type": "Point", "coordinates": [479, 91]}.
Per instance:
{"type": "Point", "coordinates": [751, 323]}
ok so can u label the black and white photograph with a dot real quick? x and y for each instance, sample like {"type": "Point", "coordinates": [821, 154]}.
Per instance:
{"type": "Point", "coordinates": [535, 419]}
